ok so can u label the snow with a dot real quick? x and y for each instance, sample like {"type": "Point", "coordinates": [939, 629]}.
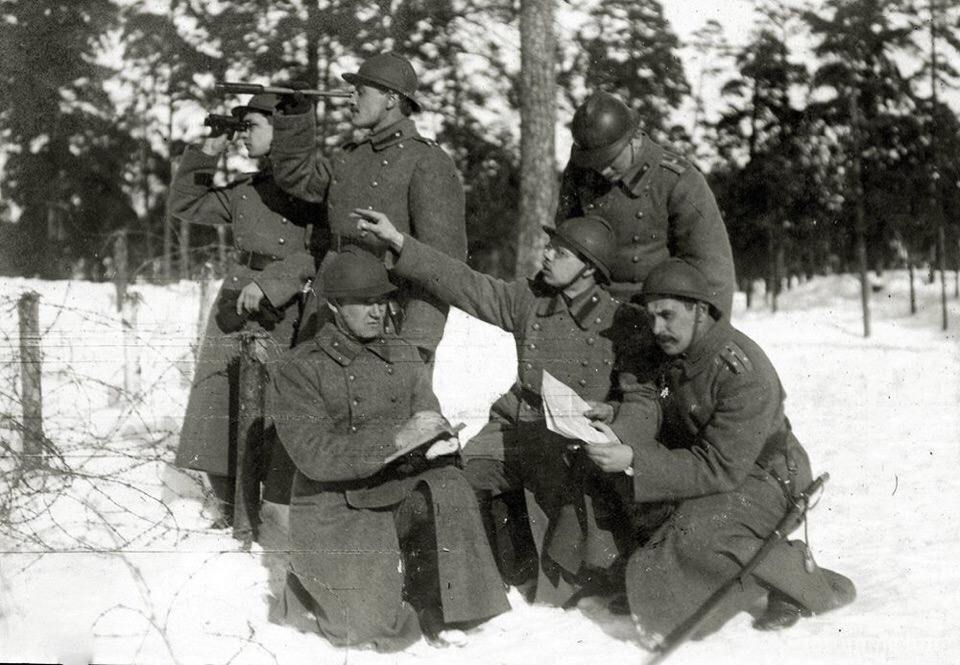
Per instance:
{"type": "Point", "coordinates": [116, 563]}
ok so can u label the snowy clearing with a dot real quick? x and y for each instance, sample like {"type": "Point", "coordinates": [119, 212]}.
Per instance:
{"type": "Point", "coordinates": [114, 563]}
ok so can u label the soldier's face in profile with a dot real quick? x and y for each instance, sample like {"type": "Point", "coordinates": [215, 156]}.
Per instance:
{"type": "Point", "coordinates": [560, 265]}
{"type": "Point", "coordinates": [617, 169]}
{"type": "Point", "coordinates": [673, 323]}
{"type": "Point", "coordinates": [361, 317]}
{"type": "Point", "coordinates": [257, 136]}
{"type": "Point", "coordinates": [368, 106]}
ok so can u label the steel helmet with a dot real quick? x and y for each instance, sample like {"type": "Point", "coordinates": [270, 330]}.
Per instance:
{"type": "Point", "coordinates": [388, 70]}
{"type": "Point", "coordinates": [355, 273]}
{"type": "Point", "coordinates": [602, 126]}
{"type": "Point", "coordinates": [591, 237]}
{"type": "Point", "coordinates": [265, 103]}
{"type": "Point", "coordinates": [675, 278]}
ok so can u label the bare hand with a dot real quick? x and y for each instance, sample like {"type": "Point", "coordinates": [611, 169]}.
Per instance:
{"type": "Point", "coordinates": [249, 298]}
{"type": "Point", "coordinates": [443, 447]}
{"type": "Point", "coordinates": [599, 412]}
{"type": "Point", "coordinates": [214, 145]}
{"type": "Point", "coordinates": [421, 426]}
{"type": "Point", "coordinates": [610, 457]}
{"type": "Point", "coordinates": [379, 225]}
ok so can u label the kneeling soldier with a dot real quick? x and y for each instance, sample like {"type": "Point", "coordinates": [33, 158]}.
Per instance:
{"type": "Point", "coordinates": [369, 536]}
{"type": "Point", "coordinates": [728, 459]}
{"type": "Point", "coordinates": [564, 323]}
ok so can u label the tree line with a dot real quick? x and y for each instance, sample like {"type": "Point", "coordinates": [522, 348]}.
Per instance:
{"type": "Point", "coordinates": [842, 157]}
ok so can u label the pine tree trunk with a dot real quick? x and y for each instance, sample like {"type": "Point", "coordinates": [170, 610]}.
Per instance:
{"type": "Point", "coordinates": [913, 290]}
{"type": "Point", "coordinates": [538, 111]}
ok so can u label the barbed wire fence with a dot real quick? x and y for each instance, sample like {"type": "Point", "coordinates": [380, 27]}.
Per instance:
{"type": "Point", "coordinates": [90, 409]}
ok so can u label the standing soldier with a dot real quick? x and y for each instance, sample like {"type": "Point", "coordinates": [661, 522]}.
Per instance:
{"type": "Point", "coordinates": [392, 168]}
{"type": "Point", "coordinates": [726, 456]}
{"type": "Point", "coordinates": [381, 551]}
{"type": "Point", "coordinates": [260, 292]}
{"type": "Point", "coordinates": [563, 323]}
{"type": "Point", "coordinates": [658, 203]}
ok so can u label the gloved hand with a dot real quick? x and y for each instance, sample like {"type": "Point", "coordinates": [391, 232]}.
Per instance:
{"type": "Point", "coordinates": [422, 426]}
{"type": "Point", "coordinates": [296, 103]}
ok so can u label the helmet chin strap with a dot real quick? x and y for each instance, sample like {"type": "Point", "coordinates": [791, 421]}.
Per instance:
{"type": "Point", "coordinates": [575, 278]}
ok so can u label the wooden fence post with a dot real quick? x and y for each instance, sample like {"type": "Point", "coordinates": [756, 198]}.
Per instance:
{"type": "Point", "coordinates": [131, 346]}
{"type": "Point", "coordinates": [250, 429]}
{"type": "Point", "coordinates": [121, 267]}
{"type": "Point", "coordinates": [31, 394]}
{"type": "Point", "coordinates": [206, 276]}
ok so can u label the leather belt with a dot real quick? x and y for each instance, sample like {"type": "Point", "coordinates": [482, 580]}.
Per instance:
{"type": "Point", "coordinates": [256, 260]}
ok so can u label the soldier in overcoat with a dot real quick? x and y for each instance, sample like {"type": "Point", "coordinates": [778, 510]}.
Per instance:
{"type": "Point", "coordinates": [271, 233]}
{"type": "Point", "coordinates": [380, 551]}
{"type": "Point", "coordinates": [727, 458]}
{"type": "Point", "coordinates": [658, 203]}
{"type": "Point", "coordinates": [392, 168]}
{"type": "Point", "coordinates": [564, 323]}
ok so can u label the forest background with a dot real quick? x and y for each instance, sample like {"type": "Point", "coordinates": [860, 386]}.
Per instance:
{"type": "Point", "coordinates": [827, 132]}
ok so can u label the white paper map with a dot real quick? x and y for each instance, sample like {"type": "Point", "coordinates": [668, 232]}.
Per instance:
{"type": "Point", "coordinates": [563, 411]}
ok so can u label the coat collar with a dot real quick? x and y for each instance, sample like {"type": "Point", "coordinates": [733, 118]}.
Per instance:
{"type": "Point", "coordinates": [584, 309]}
{"type": "Point", "coordinates": [344, 349]}
{"type": "Point", "coordinates": [650, 154]}
{"type": "Point", "coordinates": [393, 134]}
{"type": "Point", "coordinates": [701, 354]}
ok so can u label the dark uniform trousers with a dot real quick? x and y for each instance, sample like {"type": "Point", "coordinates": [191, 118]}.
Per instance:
{"type": "Point", "coordinates": [395, 171]}
{"type": "Point", "coordinates": [271, 231]}
{"type": "Point", "coordinates": [730, 465]}
{"type": "Point", "coordinates": [373, 546]}
{"type": "Point", "coordinates": [663, 207]}
{"type": "Point", "coordinates": [578, 343]}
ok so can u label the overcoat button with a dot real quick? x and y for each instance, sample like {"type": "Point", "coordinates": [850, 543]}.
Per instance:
{"type": "Point", "coordinates": [584, 363]}
{"type": "Point", "coordinates": [235, 278]}
{"type": "Point", "coordinates": [283, 220]}
{"type": "Point", "coordinates": [582, 382]}
{"type": "Point", "coordinates": [356, 400]}
{"type": "Point", "coordinates": [335, 345]}
{"type": "Point", "coordinates": [280, 241]}
{"type": "Point", "coordinates": [532, 346]}
{"type": "Point", "coordinates": [591, 340]}
{"type": "Point", "coordinates": [528, 365]}
{"type": "Point", "coordinates": [352, 377]}
{"type": "Point", "coordinates": [594, 298]}
{"type": "Point", "coordinates": [635, 259]}
{"type": "Point", "coordinates": [636, 238]}
{"type": "Point", "coordinates": [353, 428]}
{"type": "Point", "coordinates": [639, 214]}
{"type": "Point", "coordinates": [374, 184]}
{"type": "Point", "coordinates": [536, 326]}
{"type": "Point", "coordinates": [400, 145]}
{"type": "Point", "coordinates": [389, 370]}
{"type": "Point", "coordinates": [384, 162]}
{"type": "Point", "coordinates": [243, 196]}
{"type": "Point", "coordinates": [597, 320]}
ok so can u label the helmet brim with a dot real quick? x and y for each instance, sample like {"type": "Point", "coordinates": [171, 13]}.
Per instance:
{"type": "Point", "coordinates": [358, 79]}
{"type": "Point", "coordinates": [372, 291]}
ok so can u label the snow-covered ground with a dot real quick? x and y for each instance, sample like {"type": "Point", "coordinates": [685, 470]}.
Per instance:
{"type": "Point", "coordinates": [116, 564]}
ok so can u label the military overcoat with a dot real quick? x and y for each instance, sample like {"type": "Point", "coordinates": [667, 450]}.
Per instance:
{"type": "Point", "coordinates": [395, 171]}
{"type": "Point", "coordinates": [663, 207]}
{"type": "Point", "coordinates": [731, 463]}
{"type": "Point", "coordinates": [338, 405]}
{"type": "Point", "coordinates": [582, 343]}
{"type": "Point", "coordinates": [271, 231]}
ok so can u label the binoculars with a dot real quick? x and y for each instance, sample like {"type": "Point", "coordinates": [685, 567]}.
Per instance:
{"type": "Point", "coordinates": [225, 124]}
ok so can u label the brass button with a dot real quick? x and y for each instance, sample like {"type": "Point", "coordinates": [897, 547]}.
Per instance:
{"type": "Point", "coordinates": [636, 238]}
{"type": "Point", "coordinates": [639, 214]}
{"type": "Point", "coordinates": [653, 235]}
{"type": "Point", "coordinates": [384, 162]}
{"type": "Point", "coordinates": [284, 220]}
{"type": "Point", "coordinates": [235, 278]}
{"type": "Point", "coordinates": [582, 382]}
{"type": "Point", "coordinates": [281, 241]}
{"type": "Point", "coordinates": [589, 206]}
{"type": "Point", "coordinates": [356, 400]}
{"type": "Point", "coordinates": [396, 133]}
{"type": "Point", "coordinates": [531, 346]}
{"type": "Point", "coordinates": [597, 320]}
{"type": "Point", "coordinates": [374, 184]}
{"type": "Point", "coordinates": [584, 363]}
{"type": "Point", "coordinates": [400, 145]}
{"type": "Point", "coordinates": [536, 326]}
{"type": "Point", "coordinates": [635, 259]}
{"type": "Point", "coordinates": [243, 196]}
{"type": "Point", "coordinates": [335, 345]}
{"type": "Point", "coordinates": [353, 428]}
{"type": "Point", "coordinates": [528, 365]}
{"type": "Point", "coordinates": [352, 377]}
{"type": "Point", "coordinates": [594, 298]}
{"type": "Point", "coordinates": [591, 341]}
